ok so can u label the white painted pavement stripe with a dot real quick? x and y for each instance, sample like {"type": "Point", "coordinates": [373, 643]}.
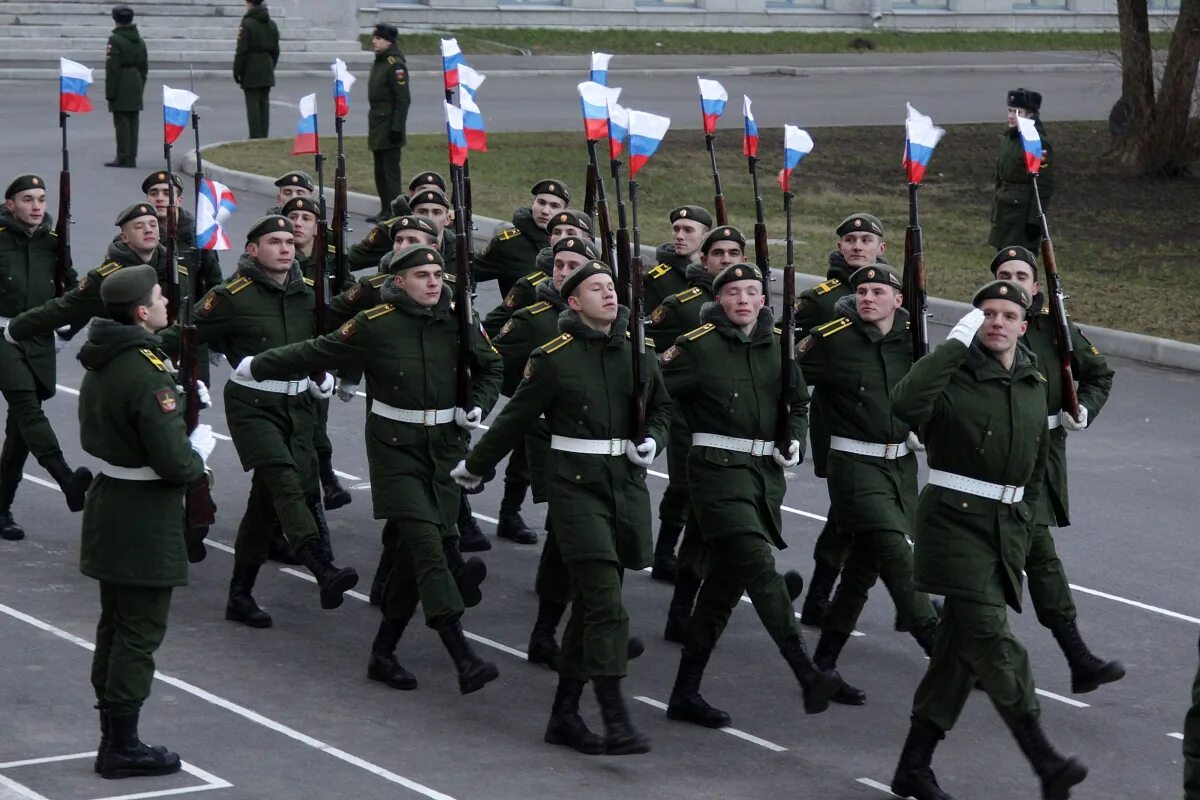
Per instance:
{"type": "Point", "coordinates": [222, 437]}
{"type": "Point", "coordinates": [876, 785]}
{"type": "Point", "coordinates": [731, 731]}
{"type": "Point", "coordinates": [1178, 736]}
{"type": "Point", "coordinates": [41, 481]}
{"type": "Point", "coordinates": [219, 545]}
{"type": "Point", "coordinates": [241, 711]}
{"type": "Point", "coordinates": [346, 475]}
{"type": "Point", "coordinates": [18, 790]}
{"type": "Point", "coordinates": [29, 762]}
{"type": "Point", "coordinates": [1136, 604]}
{"type": "Point", "coordinates": [1068, 700]}
{"type": "Point", "coordinates": [66, 389]}
{"type": "Point", "coordinates": [215, 783]}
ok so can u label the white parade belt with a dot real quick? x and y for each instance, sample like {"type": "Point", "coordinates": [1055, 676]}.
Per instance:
{"type": "Point", "coordinates": [755, 447]}
{"type": "Point", "coordinates": [886, 451]}
{"type": "Point", "coordinates": [1053, 421]}
{"type": "Point", "coordinates": [274, 387]}
{"type": "Point", "coordinates": [129, 473]}
{"type": "Point", "coordinates": [5, 322]}
{"type": "Point", "coordinates": [413, 416]}
{"type": "Point", "coordinates": [992, 491]}
{"type": "Point", "coordinates": [589, 447]}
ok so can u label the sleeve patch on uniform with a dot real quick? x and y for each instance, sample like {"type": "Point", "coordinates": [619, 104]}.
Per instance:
{"type": "Point", "coordinates": [671, 353]}
{"type": "Point", "coordinates": [658, 315]}
{"type": "Point", "coordinates": [528, 373]}
{"type": "Point", "coordinates": [508, 326]}
{"type": "Point", "coordinates": [84, 283]}
{"type": "Point", "coordinates": [167, 401]}
{"type": "Point", "coordinates": [373, 236]}
{"type": "Point", "coordinates": [210, 302]}
{"type": "Point", "coordinates": [347, 330]}
{"type": "Point", "coordinates": [510, 233]}
{"type": "Point", "coordinates": [510, 299]}
{"type": "Point", "coordinates": [353, 292]}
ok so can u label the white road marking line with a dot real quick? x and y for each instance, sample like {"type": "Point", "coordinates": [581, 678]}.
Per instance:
{"type": "Point", "coordinates": [28, 762]}
{"type": "Point", "coordinates": [1178, 736]}
{"type": "Point", "coordinates": [808, 514]}
{"type": "Point", "coordinates": [1068, 700]}
{"type": "Point", "coordinates": [66, 389]}
{"type": "Point", "coordinates": [241, 711]}
{"type": "Point", "coordinates": [21, 789]}
{"type": "Point", "coordinates": [219, 545]}
{"type": "Point", "coordinates": [876, 785]}
{"type": "Point", "coordinates": [749, 737]}
{"type": "Point", "coordinates": [41, 482]}
{"type": "Point", "coordinates": [210, 781]}
{"type": "Point", "coordinates": [222, 437]}
{"type": "Point", "coordinates": [1136, 604]}
{"type": "Point", "coordinates": [346, 475]}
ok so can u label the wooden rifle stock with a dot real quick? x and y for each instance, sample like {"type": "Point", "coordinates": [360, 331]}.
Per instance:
{"type": "Point", "coordinates": [623, 266]}
{"type": "Point", "coordinates": [64, 263]}
{"type": "Point", "coordinates": [1057, 299]}
{"type": "Point", "coordinates": [637, 329]}
{"type": "Point", "coordinates": [599, 212]}
{"type": "Point", "coordinates": [464, 388]}
{"type": "Point", "coordinates": [916, 299]}
{"type": "Point", "coordinates": [762, 256]}
{"type": "Point", "coordinates": [787, 341]}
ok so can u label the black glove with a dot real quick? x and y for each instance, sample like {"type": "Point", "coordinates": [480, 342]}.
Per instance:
{"type": "Point", "coordinates": [396, 136]}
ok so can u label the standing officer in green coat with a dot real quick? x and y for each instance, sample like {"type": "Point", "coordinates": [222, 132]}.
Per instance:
{"type": "Point", "coordinates": [254, 65]}
{"type": "Point", "coordinates": [1049, 589]}
{"type": "Point", "coordinates": [1014, 214]}
{"type": "Point", "coordinates": [389, 97]}
{"type": "Point", "coordinates": [131, 420]}
{"type": "Point", "coordinates": [582, 381]}
{"type": "Point", "coordinates": [28, 258]}
{"type": "Point", "coordinates": [125, 69]}
{"type": "Point", "coordinates": [980, 403]}
{"type": "Point", "coordinates": [513, 249]}
{"type": "Point", "coordinates": [1191, 745]}
{"type": "Point", "coordinates": [689, 226]}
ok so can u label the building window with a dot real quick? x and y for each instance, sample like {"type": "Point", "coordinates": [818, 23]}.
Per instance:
{"type": "Point", "coordinates": [933, 5]}
{"type": "Point", "coordinates": [670, 3]}
{"type": "Point", "coordinates": [780, 4]}
{"type": "Point", "coordinates": [1040, 5]}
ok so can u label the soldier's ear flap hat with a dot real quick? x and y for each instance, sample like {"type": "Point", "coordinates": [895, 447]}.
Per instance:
{"type": "Point", "coordinates": [419, 256]}
{"type": "Point", "coordinates": [128, 285]}
{"type": "Point", "coordinates": [861, 223]}
{"type": "Point", "coordinates": [301, 204]}
{"type": "Point", "coordinates": [1025, 99]}
{"type": "Point", "coordinates": [122, 15]}
{"type": "Point", "coordinates": [23, 183]}
{"type": "Point", "coordinates": [1014, 253]}
{"type": "Point", "coordinates": [269, 224]}
{"type": "Point", "coordinates": [585, 271]}
{"type": "Point", "coordinates": [723, 233]}
{"type": "Point", "coordinates": [135, 211]}
{"type": "Point", "coordinates": [551, 186]}
{"type": "Point", "coordinates": [385, 31]}
{"type": "Point", "coordinates": [1002, 290]}
{"type": "Point", "coordinates": [295, 178]}
{"type": "Point", "coordinates": [694, 213]}
{"type": "Point", "coordinates": [579, 245]}
{"type": "Point", "coordinates": [430, 196]}
{"type": "Point", "coordinates": [413, 222]}
{"type": "Point", "coordinates": [736, 272]}
{"type": "Point", "coordinates": [427, 179]}
{"type": "Point", "coordinates": [877, 273]}
{"type": "Point", "coordinates": [576, 219]}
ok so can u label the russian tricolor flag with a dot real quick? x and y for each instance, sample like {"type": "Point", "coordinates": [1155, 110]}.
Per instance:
{"type": "Point", "coordinates": [618, 129]}
{"type": "Point", "coordinates": [452, 59]}
{"type": "Point", "coordinates": [921, 136]}
{"type": "Point", "coordinates": [456, 136]}
{"type": "Point", "coordinates": [712, 103]}
{"type": "Point", "coordinates": [472, 119]}
{"type": "Point", "coordinates": [750, 137]}
{"type": "Point", "coordinates": [600, 68]}
{"type": "Point", "coordinates": [73, 82]}
{"type": "Point", "coordinates": [594, 99]}
{"type": "Point", "coordinates": [306, 131]}
{"type": "Point", "coordinates": [796, 145]}
{"type": "Point", "coordinates": [1031, 140]}
{"type": "Point", "coordinates": [646, 132]}
{"type": "Point", "coordinates": [342, 81]}
{"type": "Point", "coordinates": [214, 205]}
{"type": "Point", "coordinates": [177, 110]}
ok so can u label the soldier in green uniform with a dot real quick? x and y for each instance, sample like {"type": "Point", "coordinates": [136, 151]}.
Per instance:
{"type": "Point", "coordinates": [125, 69]}
{"type": "Point", "coordinates": [387, 120]}
{"type": "Point", "coordinates": [582, 381]}
{"type": "Point", "coordinates": [415, 435]}
{"type": "Point", "coordinates": [860, 243]}
{"type": "Point", "coordinates": [856, 360]}
{"type": "Point", "coordinates": [28, 259]}
{"type": "Point", "coordinates": [1191, 745]}
{"type": "Point", "coordinates": [427, 180]}
{"type": "Point", "coordinates": [431, 202]}
{"type": "Point", "coordinates": [131, 420]}
{"type": "Point", "coordinates": [1049, 589]}
{"type": "Point", "coordinates": [1014, 214]}
{"type": "Point", "coordinates": [980, 403]}
{"type": "Point", "coordinates": [368, 251]}
{"type": "Point", "coordinates": [254, 63]}
{"type": "Point", "coordinates": [155, 186]}
{"type": "Point", "coordinates": [689, 226]}
{"type": "Point", "coordinates": [513, 248]}
{"type": "Point", "coordinates": [288, 185]}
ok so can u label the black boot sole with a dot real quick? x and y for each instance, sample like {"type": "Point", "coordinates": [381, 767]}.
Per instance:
{"type": "Point", "coordinates": [712, 718]}
{"type": "Point", "coordinates": [592, 745]}
{"type": "Point", "coordinates": [818, 695]}
{"type": "Point", "coordinates": [474, 544]}
{"type": "Point", "coordinates": [12, 534]}
{"type": "Point", "coordinates": [1072, 773]}
{"type": "Point", "coordinates": [236, 616]}
{"type": "Point", "coordinates": [519, 536]}
{"type": "Point", "coordinates": [910, 789]}
{"type": "Point", "coordinates": [848, 695]}
{"type": "Point", "coordinates": [336, 499]}
{"type": "Point", "coordinates": [634, 745]}
{"type": "Point", "coordinates": [478, 677]}
{"type": "Point", "coordinates": [404, 682]}
{"type": "Point", "coordinates": [544, 652]}
{"type": "Point", "coordinates": [137, 772]}
{"type": "Point", "coordinates": [1109, 673]}
{"type": "Point", "coordinates": [333, 595]}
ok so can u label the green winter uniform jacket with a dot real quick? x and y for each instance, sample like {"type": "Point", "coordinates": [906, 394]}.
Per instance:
{"type": "Point", "coordinates": [125, 69]}
{"type": "Point", "coordinates": [512, 251]}
{"type": "Point", "coordinates": [257, 50]}
{"type": "Point", "coordinates": [667, 277]}
{"type": "Point", "coordinates": [389, 99]}
{"type": "Point", "coordinates": [523, 293]}
{"type": "Point", "coordinates": [680, 312]}
{"type": "Point", "coordinates": [1014, 213]}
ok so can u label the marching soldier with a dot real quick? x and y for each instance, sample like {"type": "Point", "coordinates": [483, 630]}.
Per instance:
{"type": "Point", "coordinates": [582, 381]}
{"type": "Point", "coordinates": [514, 248]}
{"type": "Point", "coordinates": [367, 252]}
{"type": "Point", "coordinates": [254, 63]}
{"type": "Point", "coordinates": [131, 420]}
{"type": "Point", "coordinates": [1014, 214]}
{"type": "Point", "coordinates": [427, 180]}
{"type": "Point", "coordinates": [288, 185]}
{"type": "Point", "coordinates": [432, 204]}
{"type": "Point", "coordinates": [856, 361]}
{"type": "Point", "coordinates": [736, 475]}
{"type": "Point", "coordinates": [689, 226]}
{"type": "Point", "coordinates": [28, 259]}
{"type": "Point", "coordinates": [387, 120]}
{"type": "Point", "coordinates": [126, 66]}
{"type": "Point", "coordinates": [1191, 745]}
{"type": "Point", "coordinates": [415, 434]}
{"type": "Point", "coordinates": [981, 387]}
{"type": "Point", "coordinates": [157, 191]}
{"type": "Point", "coordinates": [1049, 589]}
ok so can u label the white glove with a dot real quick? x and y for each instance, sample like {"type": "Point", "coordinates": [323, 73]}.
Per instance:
{"type": "Point", "coordinates": [463, 478]}
{"type": "Point", "coordinates": [468, 420]}
{"type": "Point", "coordinates": [216, 359]}
{"type": "Point", "coordinates": [202, 390]}
{"type": "Point", "coordinates": [322, 390]}
{"type": "Point", "coordinates": [8, 336]}
{"type": "Point", "coordinates": [60, 339]}
{"type": "Point", "coordinates": [642, 455]}
{"type": "Point", "coordinates": [345, 390]}
{"type": "Point", "coordinates": [243, 369]}
{"type": "Point", "coordinates": [791, 459]}
{"type": "Point", "coordinates": [967, 327]}
{"type": "Point", "coordinates": [1072, 424]}
{"type": "Point", "coordinates": [203, 441]}
{"type": "Point", "coordinates": [914, 442]}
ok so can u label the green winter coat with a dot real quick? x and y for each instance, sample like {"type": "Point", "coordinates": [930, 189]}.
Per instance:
{"type": "Point", "coordinates": [125, 69]}
{"type": "Point", "coordinates": [728, 383]}
{"type": "Point", "coordinates": [981, 421]}
{"type": "Point", "coordinates": [680, 312]}
{"type": "Point", "coordinates": [308, 268]}
{"type": "Point", "coordinates": [523, 293]}
{"type": "Point", "coordinates": [512, 251]}
{"type": "Point", "coordinates": [667, 277]}
{"type": "Point", "coordinates": [582, 381]}
{"type": "Point", "coordinates": [210, 263]}
{"type": "Point", "coordinates": [408, 353]}
{"type": "Point", "coordinates": [389, 99]}
{"type": "Point", "coordinates": [131, 415]}
{"type": "Point", "coordinates": [1014, 213]}
{"type": "Point", "coordinates": [257, 50]}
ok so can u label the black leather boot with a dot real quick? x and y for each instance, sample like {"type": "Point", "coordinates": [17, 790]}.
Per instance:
{"type": "Point", "coordinates": [1058, 774]}
{"type": "Point", "coordinates": [383, 666]}
{"type": "Point", "coordinates": [686, 703]}
{"type": "Point", "coordinates": [473, 672]}
{"type": "Point", "coordinates": [620, 737]}
{"type": "Point", "coordinates": [386, 559]}
{"type": "Point", "coordinates": [127, 757]}
{"type": "Point", "coordinates": [314, 507]}
{"type": "Point", "coordinates": [241, 606]}
{"type": "Point", "coordinates": [819, 590]}
{"type": "Point", "coordinates": [566, 727]}
{"type": "Point", "coordinates": [1088, 672]}
{"type": "Point", "coordinates": [818, 687]}
{"type": "Point", "coordinates": [543, 647]}
{"type": "Point", "coordinates": [333, 581]}
{"type": "Point", "coordinates": [335, 495]}
{"type": "Point", "coordinates": [665, 563]}
{"type": "Point", "coordinates": [9, 529]}
{"type": "Point", "coordinates": [74, 483]}
{"type": "Point", "coordinates": [914, 775]}
{"type": "Point", "coordinates": [679, 612]}
{"type": "Point", "coordinates": [470, 536]}
{"type": "Point", "coordinates": [98, 766]}
{"type": "Point", "coordinates": [468, 575]}
{"type": "Point", "coordinates": [825, 657]}
{"type": "Point", "coordinates": [925, 636]}
{"type": "Point", "coordinates": [794, 582]}
{"type": "Point", "coordinates": [511, 525]}
{"type": "Point", "coordinates": [278, 547]}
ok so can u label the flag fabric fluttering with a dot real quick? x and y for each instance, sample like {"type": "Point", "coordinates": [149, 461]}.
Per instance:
{"type": "Point", "coordinates": [469, 82]}
{"type": "Point", "coordinates": [796, 145]}
{"type": "Point", "coordinates": [750, 136]}
{"type": "Point", "coordinates": [214, 204]}
{"type": "Point", "coordinates": [594, 99]}
{"type": "Point", "coordinates": [646, 132]}
{"type": "Point", "coordinates": [618, 128]}
{"type": "Point", "coordinates": [600, 68]}
{"type": "Point", "coordinates": [342, 81]}
{"type": "Point", "coordinates": [713, 98]}
{"type": "Point", "coordinates": [1031, 140]}
{"type": "Point", "coordinates": [921, 136]}
{"type": "Point", "coordinates": [73, 82]}
{"type": "Point", "coordinates": [452, 59]}
{"type": "Point", "coordinates": [177, 110]}
{"type": "Point", "coordinates": [456, 136]}
{"type": "Point", "coordinates": [306, 131]}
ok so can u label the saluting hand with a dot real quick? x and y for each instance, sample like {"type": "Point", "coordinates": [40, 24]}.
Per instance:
{"type": "Point", "coordinates": [322, 390]}
{"type": "Point", "coordinates": [967, 327]}
{"type": "Point", "coordinates": [463, 478]}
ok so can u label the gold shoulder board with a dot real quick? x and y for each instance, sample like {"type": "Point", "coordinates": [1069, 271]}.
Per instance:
{"type": "Point", "coordinates": [703, 330]}
{"type": "Point", "coordinates": [380, 310]}
{"type": "Point", "coordinates": [658, 271]}
{"type": "Point", "coordinates": [153, 359]}
{"type": "Point", "coordinates": [378, 280]}
{"type": "Point", "coordinates": [238, 283]}
{"type": "Point", "coordinates": [830, 328]}
{"type": "Point", "coordinates": [509, 233]}
{"type": "Point", "coordinates": [310, 282]}
{"type": "Point", "coordinates": [557, 343]}
{"type": "Point", "coordinates": [689, 294]}
{"type": "Point", "coordinates": [108, 268]}
{"type": "Point", "coordinates": [538, 308]}
{"type": "Point", "coordinates": [536, 277]}
{"type": "Point", "coordinates": [827, 286]}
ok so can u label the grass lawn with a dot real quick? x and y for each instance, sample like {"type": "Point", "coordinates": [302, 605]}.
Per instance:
{"type": "Point", "coordinates": [1125, 245]}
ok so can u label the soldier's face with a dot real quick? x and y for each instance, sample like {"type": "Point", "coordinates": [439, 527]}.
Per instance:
{"type": "Point", "coordinates": [741, 301]}
{"type": "Point", "coordinates": [596, 300]}
{"type": "Point", "coordinates": [29, 206]}
{"type": "Point", "coordinates": [410, 237]}
{"type": "Point", "coordinates": [379, 44]}
{"type": "Point", "coordinates": [156, 310]}
{"type": "Point", "coordinates": [564, 231]}
{"type": "Point", "coordinates": [876, 301]}
{"type": "Point", "coordinates": [160, 196]}
{"type": "Point", "coordinates": [422, 284]}
{"type": "Point", "coordinates": [545, 206]}
{"type": "Point", "coordinates": [140, 234]}
{"type": "Point", "coordinates": [1013, 113]}
{"type": "Point", "coordinates": [860, 248]}
{"type": "Point", "coordinates": [304, 225]}
{"type": "Point", "coordinates": [565, 263]}
{"type": "Point", "coordinates": [1003, 324]}
{"type": "Point", "coordinates": [687, 236]}
{"type": "Point", "coordinates": [274, 252]}
{"type": "Point", "coordinates": [286, 193]}
{"type": "Point", "coordinates": [1019, 273]}
{"type": "Point", "coordinates": [720, 256]}
{"type": "Point", "coordinates": [435, 212]}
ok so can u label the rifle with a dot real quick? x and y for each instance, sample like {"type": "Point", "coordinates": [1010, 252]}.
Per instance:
{"type": "Point", "coordinates": [916, 299]}
{"type": "Point", "coordinates": [463, 311]}
{"type": "Point", "coordinates": [761, 254]}
{"type": "Point", "coordinates": [341, 214]}
{"type": "Point", "coordinates": [593, 177]}
{"type": "Point", "coordinates": [637, 328]}
{"type": "Point", "coordinates": [718, 199]}
{"type": "Point", "coordinates": [623, 265]}
{"type": "Point", "coordinates": [787, 342]}
{"type": "Point", "coordinates": [64, 263]}
{"type": "Point", "coordinates": [599, 211]}
{"type": "Point", "coordinates": [1058, 309]}
{"type": "Point", "coordinates": [320, 254]}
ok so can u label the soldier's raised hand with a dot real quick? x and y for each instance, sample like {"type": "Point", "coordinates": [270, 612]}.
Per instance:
{"type": "Point", "coordinates": [469, 420]}
{"type": "Point", "coordinates": [243, 369]}
{"type": "Point", "coordinates": [967, 327]}
{"type": "Point", "coordinates": [323, 389]}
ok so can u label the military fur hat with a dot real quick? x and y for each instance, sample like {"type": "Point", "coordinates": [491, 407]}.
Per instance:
{"type": "Point", "coordinates": [385, 31]}
{"type": "Point", "coordinates": [295, 178]}
{"type": "Point", "coordinates": [577, 244]}
{"type": "Point", "coordinates": [23, 183]}
{"type": "Point", "coordinates": [1025, 99]}
{"type": "Point", "coordinates": [162, 176]}
{"type": "Point", "coordinates": [736, 272]}
{"type": "Point", "coordinates": [585, 271]}
{"type": "Point", "coordinates": [1002, 290]}
{"type": "Point", "coordinates": [695, 213]}
{"type": "Point", "coordinates": [413, 222]}
{"type": "Point", "coordinates": [419, 256]}
{"type": "Point", "coordinates": [876, 273]}
{"type": "Point", "coordinates": [135, 211]}
{"type": "Point", "coordinates": [272, 223]}
{"type": "Point", "coordinates": [128, 285]}
{"type": "Point", "coordinates": [1014, 253]}
{"type": "Point", "coordinates": [429, 196]}
{"type": "Point", "coordinates": [861, 222]}
{"type": "Point", "coordinates": [301, 204]}
{"type": "Point", "coordinates": [551, 186]}
{"type": "Point", "coordinates": [577, 219]}
{"type": "Point", "coordinates": [427, 179]}
{"type": "Point", "coordinates": [723, 233]}
{"type": "Point", "coordinates": [122, 15]}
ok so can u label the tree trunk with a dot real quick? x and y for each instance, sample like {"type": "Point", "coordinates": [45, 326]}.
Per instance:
{"type": "Point", "coordinates": [1169, 148]}
{"type": "Point", "coordinates": [1133, 115]}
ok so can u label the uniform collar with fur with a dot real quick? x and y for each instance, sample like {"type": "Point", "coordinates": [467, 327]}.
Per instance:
{"type": "Point", "coordinates": [764, 326]}
{"type": "Point", "coordinates": [250, 268]}
{"type": "Point", "coordinates": [570, 322]}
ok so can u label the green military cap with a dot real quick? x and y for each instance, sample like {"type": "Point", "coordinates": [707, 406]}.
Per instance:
{"type": "Point", "coordinates": [1026, 99]}
{"type": "Point", "coordinates": [693, 213]}
{"type": "Point", "coordinates": [585, 271]}
{"type": "Point", "coordinates": [413, 222]}
{"type": "Point", "coordinates": [577, 219]}
{"type": "Point", "coordinates": [736, 272]}
{"type": "Point", "coordinates": [876, 273]}
{"type": "Point", "coordinates": [861, 221]}
{"type": "Point", "coordinates": [23, 183]}
{"type": "Point", "coordinates": [551, 186]}
{"type": "Point", "coordinates": [577, 244]}
{"type": "Point", "coordinates": [419, 256]}
{"type": "Point", "coordinates": [1014, 253]}
{"type": "Point", "coordinates": [429, 196]}
{"type": "Point", "coordinates": [295, 178]}
{"type": "Point", "coordinates": [130, 213]}
{"type": "Point", "coordinates": [723, 233]}
{"type": "Point", "coordinates": [301, 204]}
{"type": "Point", "coordinates": [271, 223]}
{"type": "Point", "coordinates": [161, 176]}
{"type": "Point", "coordinates": [427, 179]}
{"type": "Point", "coordinates": [1002, 290]}
{"type": "Point", "coordinates": [128, 285]}
{"type": "Point", "coordinates": [399, 206]}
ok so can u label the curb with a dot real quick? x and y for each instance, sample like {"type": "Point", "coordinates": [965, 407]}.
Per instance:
{"type": "Point", "coordinates": [1122, 344]}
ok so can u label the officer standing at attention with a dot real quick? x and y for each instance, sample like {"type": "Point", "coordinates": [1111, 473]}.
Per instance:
{"type": "Point", "coordinates": [980, 387]}
{"type": "Point", "coordinates": [1014, 214]}
{"type": "Point", "coordinates": [387, 119]}
{"type": "Point", "coordinates": [131, 420]}
{"type": "Point", "coordinates": [125, 69]}
{"type": "Point", "coordinates": [689, 226]}
{"type": "Point", "coordinates": [254, 65]}
{"type": "Point", "coordinates": [513, 250]}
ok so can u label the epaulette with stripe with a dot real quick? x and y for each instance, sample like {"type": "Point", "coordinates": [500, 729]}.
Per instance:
{"type": "Point", "coordinates": [539, 307]}
{"type": "Point", "coordinates": [238, 283]}
{"type": "Point", "coordinates": [379, 280]}
{"type": "Point", "coordinates": [557, 343]}
{"type": "Point", "coordinates": [108, 268]}
{"type": "Point", "coordinates": [827, 286]}
{"type": "Point", "coordinates": [380, 310]}
{"type": "Point", "coordinates": [309, 281]}
{"type": "Point", "coordinates": [448, 277]}
{"type": "Point", "coordinates": [778, 331]}
{"type": "Point", "coordinates": [510, 233]}
{"type": "Point", "coordinates": [536, 277]}
{"type": "Point", "coordinates": [836, 326]}
{"type": "Point", "coordinates": [153, 359]}
{"type": "Point", "coordinates": [687, 295]}
{"type": "Point", "coordinates": [658, 271]}
{"type": "Point", "coordinates": [703, 330]}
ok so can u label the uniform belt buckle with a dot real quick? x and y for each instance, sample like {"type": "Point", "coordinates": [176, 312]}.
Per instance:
{"type": "Point", "coordinates": [758, 447]}
{"type": "Point", "coordinates": [293, 387]}
{"type": "Point", "coordinates": [1008, 495]}
{"type": "Point", "coordinates": [429, 418]}
{"type": "Point", "coordinates": [616, 447]}
{"type": "Point", "coordinates": [891, 451]}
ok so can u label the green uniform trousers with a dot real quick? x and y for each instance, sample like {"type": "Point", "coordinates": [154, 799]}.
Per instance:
{"type": "Point", "coordinates": [1191, 745]}
{"type": "Point", "coordinates": [878, 554]}
{"type": "Point", "coordinates": [258, 111]}
{"type": "Point", "coordinates": [1048, 587]}
{"type": "Point", "coordinates": [553, 581]}
{"type": "Point", "coordinates": [595, 642]}
{"type": "Point", "coordinates": [741, 563]}
{"type": "Point", "coordinates": [133, 621]}
{"type": "Point", "coordinates": [125, 123]}
{"type": "Point", "coordinates": [387, 178]}
{"type": "Point", "coordinates": [26, 430]}
{"type": "Point", "coordinates": [675, 503]}
{"type": "Point", "coordinates": [420, 574]}
{"type": "Point", "coordinates": [276, 491]}
{"type": "Point", "coordinates": [974, 643]}
{"type": "Point", "coordinates": [833, 546]}
{"type": "Point", "coordinates": [321, 442]}
{"type": "Point", "coordinates": [517, 469]}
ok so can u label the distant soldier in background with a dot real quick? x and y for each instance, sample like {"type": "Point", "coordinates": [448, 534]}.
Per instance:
{"type": "Point", "coordinates": [125, 69]}
{"type": "Point", "coordinates": [1014, 214]}
{"type": "Point", "coordinates": [254, 65]}
{"type": "Point", "coordinates": [387, 119]}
